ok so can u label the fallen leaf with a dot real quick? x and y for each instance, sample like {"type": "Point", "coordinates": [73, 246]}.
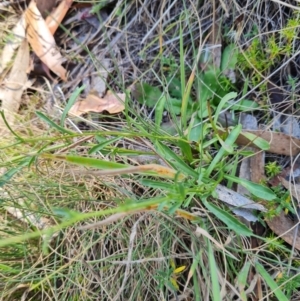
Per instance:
{"type": "Point", "coordinates": [98, 78]}
{"type": "Point", "coordinates": [237, 200]}
{"type": "Point", "coordinates": [56, 17]}
{"type": "Point", "coordinates": [42, 41]}
{"type": "Point", "coordinates": [292, 187]}
{"type": "Point", "coordinates": [17, 36]}
{"type": "Point", "coordinates": [252, 168]}
{"type": "Point", "coordinates": [280, 143]}
{"type": "Point", "coordinates": [112, 103]}
{"type": "Point", "coordinates": [45, 6]}
{"type": "Point", "coordinates": [16, 83]}
{"type": "Point", "coordinates": [284, 227]}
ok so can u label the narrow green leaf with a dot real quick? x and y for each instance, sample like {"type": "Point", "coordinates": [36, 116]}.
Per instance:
{"type": "Point", "coordinates": [222, 103]}
{"type": "Point", "coordinates": [52, 123]}
{"type": "Point", "coordinates": [7, 269]}
{"type": "Point", "coordinates": [146, 94]}
{"type": "Point", "coordinates": [242, 280]}
{"type": "Point", "coordinates": [158, 185]}
{"type": "Point", "coordinates": [96, 163]}
{"type": "Point", "coordinates": [229, 57]}
{"type": "Point", "coordinates": [175, 160]}
{"type": "Point", "coordinates": [70, 103]}
{"type": "Point", "coordinates": [244, 105]}
{"type": "Point", "coordinates": [65, 213]}
{"type": "Point", "coordinates": [271, 283]}
{"type": "Point", "coordinates": [228, 148]}
{"type": "Point", "coordinates": [231, 222]}
{"type": "Point", "coordinates": [159, 110]}
{"type": "Point", "coordinates": [213, 273]}
{"type": "Point", "coordinates": [259, 191]}
{"type": "Point", "coordinates": [258, 141]}
{"type": "Point", "coordinates": [11, 172]}
{"type": "Point", "coordinates": [186, 150]}
{"type": "Point", "coordinates": [229, 141]}
{"type": "Point", "coordinates": [182, 78]}
{"type": "Point", "coordinates": [9, 127]}
{"type": "Point", "coordinates": [102, 145]}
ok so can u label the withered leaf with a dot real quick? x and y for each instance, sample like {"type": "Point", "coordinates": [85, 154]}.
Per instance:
{"type": "Point", "coordinates": [112, 103]}
{"type": "Point", "coordinates": [280, 143]}
{"type": "Point", "coordinates": [42, 41]}
{"type": "Point", "coordinates": [286, 228]}
{"type": "Point", "coordinates": [56, 16]}
{"type": "Point", "coordinates": [16, 82]}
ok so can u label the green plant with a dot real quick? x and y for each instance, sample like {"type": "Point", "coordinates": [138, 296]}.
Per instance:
{"type": "Point", "coordinates": [169, 278]}
{"type": "Point", "coordinates": [264, 53]}
{"type": "Point", "coordinates": [272, 169]}
{"type": "Point", "coordinates": [282, 202]}
{"type": "Point", "coordinates": [289, 283]}
{"type": "Point", "coordinates": [204, 94]}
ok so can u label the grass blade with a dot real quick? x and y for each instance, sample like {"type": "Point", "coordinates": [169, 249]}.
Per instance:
{"type": "Point", "coordinates": [52, 123]}
{"type": "Point", "coordinates": [259, 191]}
{"type": "Point", "coordinates": [175, 160]}
{"type": "Point", "coordinates": [70, 103]}
{"type": "Point", "coordinates": [271, 283]}
{"type": "Point", "coordinates": [213, 273]}
{"type": "Point", "coordinates": [229, 141]}
{"type": "Point", "coordinates": [231, 222]}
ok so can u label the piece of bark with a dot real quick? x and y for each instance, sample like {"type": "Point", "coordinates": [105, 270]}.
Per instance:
{"type": "Point", "coordinates": [285, 227]}
{"type": "Point", "coordinates": [280, 143]}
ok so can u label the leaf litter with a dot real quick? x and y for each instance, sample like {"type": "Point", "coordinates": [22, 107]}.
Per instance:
{"type": "Point", "coordinates": [112, 103]}
{"type": "Point", "coordinates": [42, 41]}
{"type": "Point", "coordinates": [13, 87]}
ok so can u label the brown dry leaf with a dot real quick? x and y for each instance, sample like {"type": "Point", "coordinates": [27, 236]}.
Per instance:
{"type": "Point", "coordinates": [158, 170]}
{"type": "Point", "coordinates": [282, 224]}
{"type": "Point", "coordinates": [16, 82]}
{"type": "Point", "coordinates": [235, 199]}
{"type": "Point", "coordinates": [161, 171]}
{"type": "Point", "coordinates": [45, 6]}
{"type": "Point", "coordinates": [56, 17]}
{"type": "Point", "coordinates": [280, 143]}
{"type": "Point", "coordinates": [216, 42]}
{"type": "Point", "coordinates": [42, 41]}
{"type": "Point", "coordinates": [112, 103]}
{"type": "Point", "coordinates": [293, 188]}
{"type": "Point", "coordinates": [284, 227]}
{"type": "Point", "coordinates": [18, 35]}
{"type": "Point", "coordinates": [111, 219]}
